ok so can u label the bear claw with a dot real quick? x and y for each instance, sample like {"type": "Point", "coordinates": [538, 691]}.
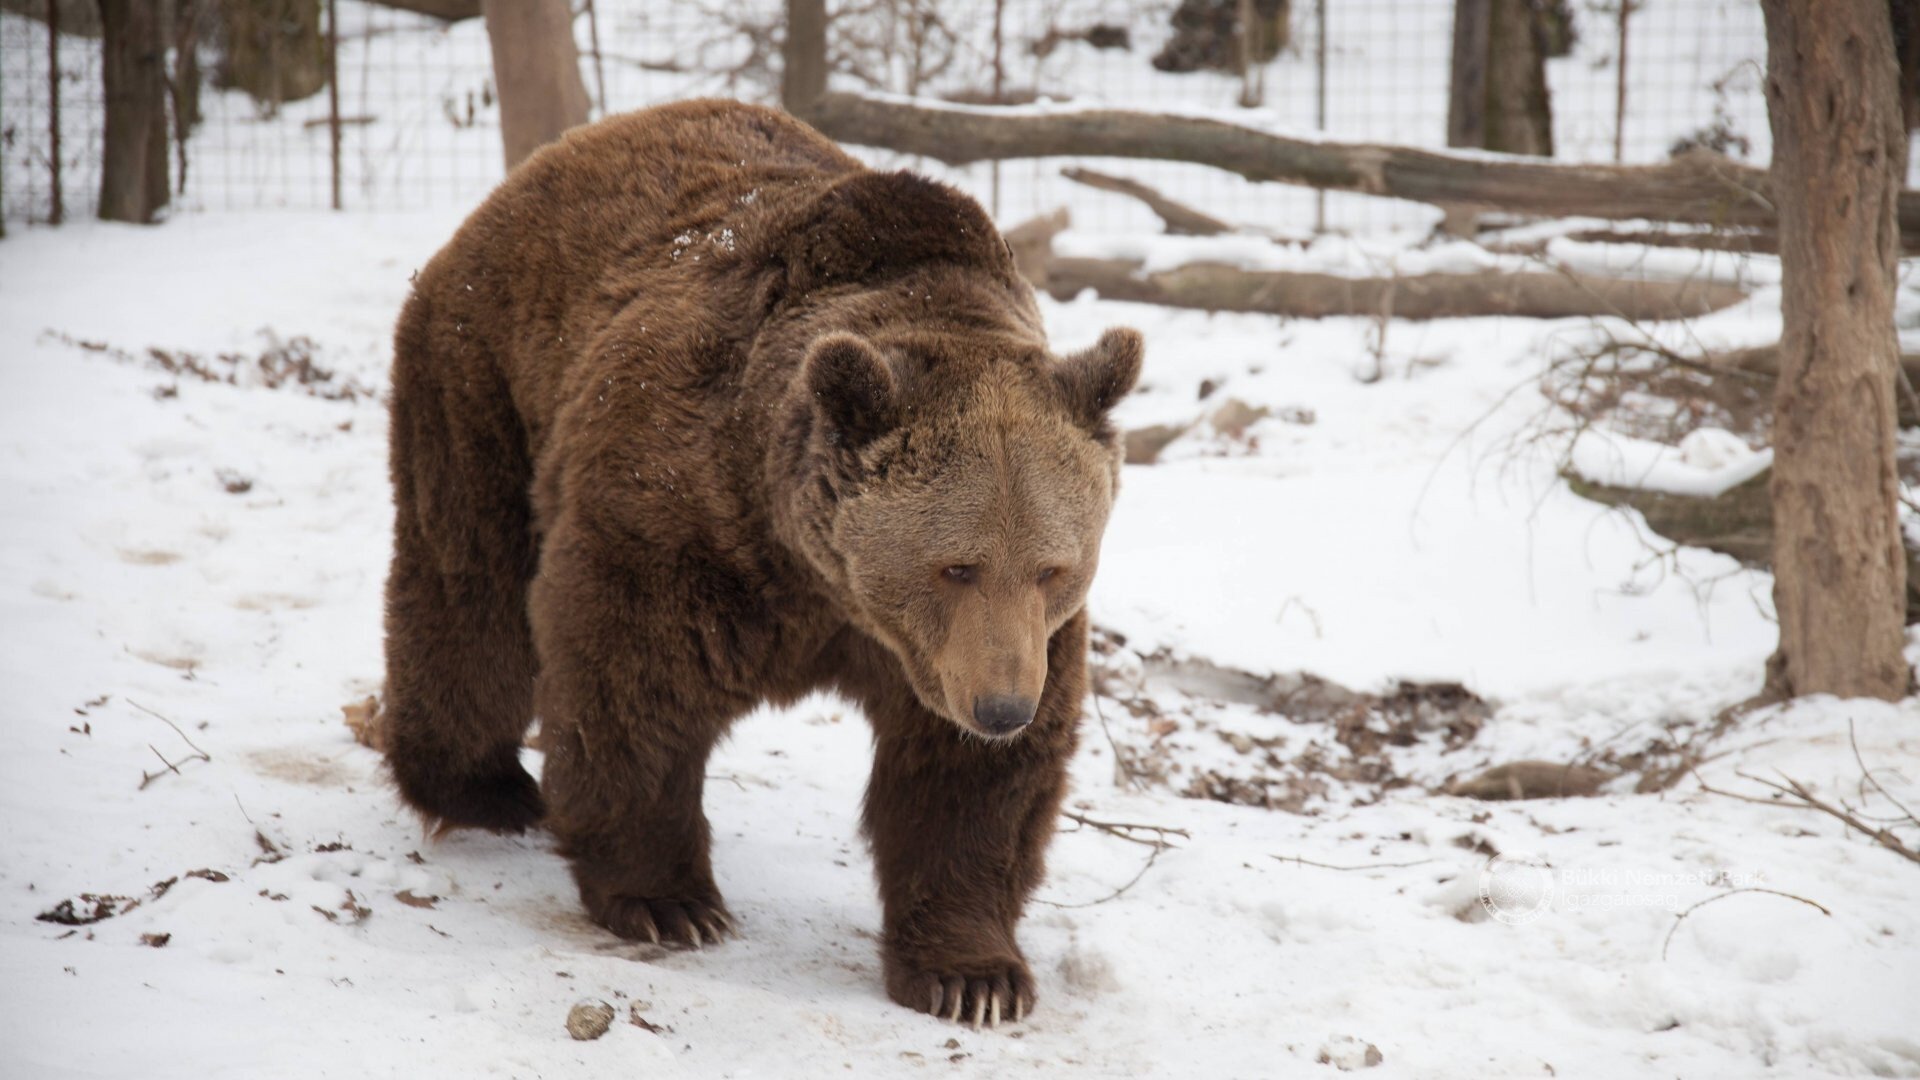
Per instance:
{"type": "Point", "coordinates": [980, 1001]}
{"type": "Point", "coordinates": [688, 923]}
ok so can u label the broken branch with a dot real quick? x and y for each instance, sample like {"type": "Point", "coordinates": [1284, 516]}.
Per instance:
{"type": "Point", "coordinates": [1802, 799]}
{"type": "Point", "coordinates": [1180, 219]}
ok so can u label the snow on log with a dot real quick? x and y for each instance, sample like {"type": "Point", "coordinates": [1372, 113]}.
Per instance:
{"type": "Point", "coordinates": [1530, 294]}
{"type": "Point", "coordinates": [1736, 522]}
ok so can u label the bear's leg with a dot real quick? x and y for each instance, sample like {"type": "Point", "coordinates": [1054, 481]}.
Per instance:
{"type": "Point", "coordinates": [460, 661]}
{"type": "Point", "coordinates": [627, 720]}
{"type": "Point", "coordinates": [959, 827]}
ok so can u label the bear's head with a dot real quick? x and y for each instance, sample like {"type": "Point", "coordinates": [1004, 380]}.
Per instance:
{"type": "Point", "coordinates": [956, 489]}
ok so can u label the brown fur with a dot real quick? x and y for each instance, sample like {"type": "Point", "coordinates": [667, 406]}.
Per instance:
{"type": "Point", "coordinates": [697, 413]}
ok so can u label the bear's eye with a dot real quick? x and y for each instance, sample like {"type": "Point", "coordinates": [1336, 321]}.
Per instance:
{"type": "Point", "coordinates": [961, 575]}
{"type": "Point", "coordinates": [1049, 574]}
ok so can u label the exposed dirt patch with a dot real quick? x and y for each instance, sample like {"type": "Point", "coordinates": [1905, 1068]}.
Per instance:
{"type": "Point", "coordinates": [301, 768]}
{"type": "Point", "coordinates": [1284, 742]}
{"type": "Point", "coordinates": [281, 362]}
{"type": "Point", "coordinates": [149, 557]}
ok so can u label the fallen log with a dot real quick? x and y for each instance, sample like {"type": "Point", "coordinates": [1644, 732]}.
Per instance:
{"type": "Point", "coordinates": [1736, 241]}
{"type": "Point", "coordinates": [1698, 188]}
{"type": "Point", "coordinates": [1737, 522]}
{"type": "Point", "coordinates": [1180, 219]}
{"type": "Point", "coordinates": [1530, 294]}
{"type": "Point", "coordinates": [1765, 360]}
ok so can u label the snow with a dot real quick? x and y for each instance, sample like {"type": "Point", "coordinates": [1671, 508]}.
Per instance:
{"type": "Point", "coordinates": [1708, 462]}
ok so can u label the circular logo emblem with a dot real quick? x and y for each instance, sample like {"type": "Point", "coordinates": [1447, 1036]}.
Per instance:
{"type": "Point", "coordinates": [1516, 889]}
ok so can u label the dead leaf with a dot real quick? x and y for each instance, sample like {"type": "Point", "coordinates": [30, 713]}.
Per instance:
{"type": "Point", "coordinates": [364, 719]}
{"type": "Point", "coordinates": [409, 898]}
{"type": "Point", "coordinates": [634, 1018]}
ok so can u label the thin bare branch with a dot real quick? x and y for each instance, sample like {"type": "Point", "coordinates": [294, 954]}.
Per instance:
{"type": "Point", "coordinates": [1126, 830]}
{"type": "Point", "coordinates": [1361, 866]}
{"type": "Point", "coordinates": [1682, 916]}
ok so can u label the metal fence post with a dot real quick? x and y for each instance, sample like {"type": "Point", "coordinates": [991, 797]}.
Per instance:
{"type": "Point", "coordinates": [1620, 88]}
{"type": "Point", "coordinates": [333, 96]}
{"type": "Point", "coordinates": [58, 213]}
{"type": "Point", "coordinates": [1320, 102]}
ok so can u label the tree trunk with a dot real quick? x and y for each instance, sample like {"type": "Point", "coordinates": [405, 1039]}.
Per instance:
{"type": "Point", "coordinates": [1839, 155]}
{"type": "Point", "coordinates": [184, 87]}
{"type": "Point", "coordinates": [1906, 45]}
{"type": "Point", "coordinates": [273, 50]}
{"type": "Point", "coordinates": [537, 71]}
{"type": "Point", "coordinates": [1467, 93]}
{"type": "Point", "coordinates": [133, 167]}
{"type": "Point", "coordinates": [803, 71]}
{"type": "Point", "coordinates": [1703, 189]}
{"type": "Point", "coordinates": [189, 22]}
{"type": "Point", "coordinates": [1498, 97]}
{"type": "Point", "coordinates": [1519, 116]}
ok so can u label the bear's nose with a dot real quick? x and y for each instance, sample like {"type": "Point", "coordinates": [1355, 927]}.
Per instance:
{"type": "Point", "coordinates": [1002, 714]}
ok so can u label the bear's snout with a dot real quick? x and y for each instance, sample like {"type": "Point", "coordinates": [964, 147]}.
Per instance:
{"type": "Point", "coordinates": [1003, 714]}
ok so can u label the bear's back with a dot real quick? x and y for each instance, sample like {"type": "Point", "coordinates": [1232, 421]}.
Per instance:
{"type": "Point", "coordinates": [547, 260]}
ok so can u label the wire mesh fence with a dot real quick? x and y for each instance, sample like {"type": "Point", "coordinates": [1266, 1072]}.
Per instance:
{"type": "Point", "coordinates": [419, 123]}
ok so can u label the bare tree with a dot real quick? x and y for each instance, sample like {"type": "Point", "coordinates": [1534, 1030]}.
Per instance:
{"type": "Point", "coordinates": [537, 70]}
{"type": "Point", "coordinates": [803, 72]}
{"type": "Point", "coordinates": [1498, 99]}
{"type": "Point", "coordinates": [1838, 161]}
{"type": "Point", "coordinates": [133, 167]}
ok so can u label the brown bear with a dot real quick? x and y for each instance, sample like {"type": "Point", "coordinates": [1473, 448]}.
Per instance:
{"type": "Point", "coordinates": [697, 412]}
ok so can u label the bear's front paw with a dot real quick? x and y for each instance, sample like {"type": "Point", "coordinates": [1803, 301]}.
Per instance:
{"type": "Point", "coordinates": [980, 993]}
{"type": "Point", "coordinates": [692, 923]}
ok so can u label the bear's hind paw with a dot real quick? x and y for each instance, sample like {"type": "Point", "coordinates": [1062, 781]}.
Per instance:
{"type": "Point", "coordinates": [689, 923]}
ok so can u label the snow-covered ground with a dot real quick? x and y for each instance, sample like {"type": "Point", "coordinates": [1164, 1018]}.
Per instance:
{"type": "Point", "coordinates": [212, 554]}
{"type": "Point", "coordinates": [190, 575]}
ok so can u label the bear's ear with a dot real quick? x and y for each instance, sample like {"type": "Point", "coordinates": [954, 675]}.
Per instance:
{"type": "Point", "coordinates": [852, 389]}
{"type": "Point", "coordinates": [1094, 381]}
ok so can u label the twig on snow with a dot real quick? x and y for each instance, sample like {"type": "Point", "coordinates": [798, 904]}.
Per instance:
{"type": "Point", "coordinates": [1682, 916]}
{"type": "Point", "coordinates": [1867, 775]}
{"type": "Point", "coordinates": [1361, 866]}
{"type": "Point", "coordinates": [1117, 893]}
{"type": "Point", "coordinates": [1126, 830]}
{"type": "Point", "coordinates": [1803, 799]}
{"type": "Point", "coordinates": [171, 766]}
{"type": "Point", "coordinates": [1120, 763]}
